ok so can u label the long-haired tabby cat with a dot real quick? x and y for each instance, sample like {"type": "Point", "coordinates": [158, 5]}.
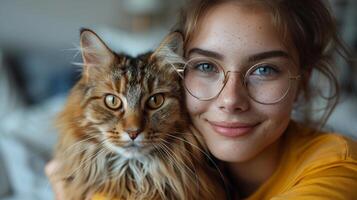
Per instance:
{"type": "Point", "coordinates": [124, 131]}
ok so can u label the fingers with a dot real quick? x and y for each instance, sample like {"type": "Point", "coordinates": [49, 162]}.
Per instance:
{"type": "Point", "coordinates": [57, 184]}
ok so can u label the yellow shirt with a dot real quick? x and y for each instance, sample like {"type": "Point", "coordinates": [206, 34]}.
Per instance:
{"type": "Point", "coordinates": [314, 165]}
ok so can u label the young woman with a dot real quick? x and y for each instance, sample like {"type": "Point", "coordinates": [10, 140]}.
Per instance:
{"type": "Point", "coordinates": [249, 66]}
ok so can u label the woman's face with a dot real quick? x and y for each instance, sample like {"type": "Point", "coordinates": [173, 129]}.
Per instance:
{"type": "Point", "coordinates": [235, 127]}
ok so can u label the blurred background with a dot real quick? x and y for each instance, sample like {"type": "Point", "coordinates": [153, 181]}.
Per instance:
{"type": "Point", "coordinates": [38, 44]}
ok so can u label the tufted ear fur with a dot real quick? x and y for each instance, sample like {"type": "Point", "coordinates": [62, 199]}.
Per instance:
{"type": "Point", "coordinates": [170, 49]}
{"type": "Point", "coordinates": [95, 53]}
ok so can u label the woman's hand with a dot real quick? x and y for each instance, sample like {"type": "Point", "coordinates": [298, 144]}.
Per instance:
{"type": "Point", "coordinates": [57, 185]}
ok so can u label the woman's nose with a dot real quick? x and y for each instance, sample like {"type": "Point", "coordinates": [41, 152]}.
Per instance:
{"type": "Point", "coordinates": [233, 97]}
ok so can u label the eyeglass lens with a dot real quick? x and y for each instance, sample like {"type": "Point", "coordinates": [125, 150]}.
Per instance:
{"type": "Point", "coordinates": [265, 83]}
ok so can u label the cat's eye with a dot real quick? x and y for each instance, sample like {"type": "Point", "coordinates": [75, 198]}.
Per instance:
{"type": "Point", "coordinates": [155, 101]}
{"type": "Point", "coordinates": [113, 102]}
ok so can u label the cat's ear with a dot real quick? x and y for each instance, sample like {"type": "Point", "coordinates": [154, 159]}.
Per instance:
{"type": "Point", "coordinates": [170, 49]}
{"type": "Point", "coordinates": [95, 53]}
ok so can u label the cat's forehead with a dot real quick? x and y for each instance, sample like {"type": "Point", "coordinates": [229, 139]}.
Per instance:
{"type": "Point", "coordinates": [132, 68]}
{"type": "Point", "coordinates": [142, 73]}
{"type": "Point", "coordinates": [139, 67]}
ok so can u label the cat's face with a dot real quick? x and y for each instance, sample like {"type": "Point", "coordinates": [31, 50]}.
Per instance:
{"type": "Point", "coordinates": [129, 105]}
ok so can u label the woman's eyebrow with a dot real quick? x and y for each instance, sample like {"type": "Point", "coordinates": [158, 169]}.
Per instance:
{"type": "Point", "coordinates": [204, 52]}
{"type": "Point", "coordinates": [251, 59]}
{"type": "Point", "coordinates": [268, 54]}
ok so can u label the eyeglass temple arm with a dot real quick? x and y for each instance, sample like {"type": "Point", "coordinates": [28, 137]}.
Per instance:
{"type": "Point", "coordinates": [298, 77]}
{"type": "Point", "coordinates": [180, 72]}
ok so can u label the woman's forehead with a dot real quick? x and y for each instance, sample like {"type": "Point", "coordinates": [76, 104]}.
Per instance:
{"type": "Point", "coordinates": [237, 31]}
{"type": "Point", "coordinates": [232, 28]}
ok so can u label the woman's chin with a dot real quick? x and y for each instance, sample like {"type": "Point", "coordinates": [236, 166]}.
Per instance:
{"type": "Point", "coordinates": [230, 151]}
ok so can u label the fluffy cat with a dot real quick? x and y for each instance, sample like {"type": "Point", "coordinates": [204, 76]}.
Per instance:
{"type": "Point", "coordinates": [124, 131]}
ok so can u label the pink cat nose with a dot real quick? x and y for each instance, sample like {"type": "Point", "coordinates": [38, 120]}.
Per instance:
{"type": "Point", "coordinates": [133, 133]}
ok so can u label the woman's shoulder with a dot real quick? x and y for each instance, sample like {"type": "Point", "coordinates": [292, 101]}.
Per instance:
{"type": "Point", "coordinates": [313, 147]}
{"type": "Point", "coordinates": [315, 165]}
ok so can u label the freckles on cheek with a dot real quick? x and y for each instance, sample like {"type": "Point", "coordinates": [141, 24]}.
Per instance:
{"type": "Point", "coordinates": [278, 114]}
{"type": "Point", "coordinates": [194, 106]}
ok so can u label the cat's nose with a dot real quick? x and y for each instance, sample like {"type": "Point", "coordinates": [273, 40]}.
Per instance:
{"type": "Point", "coordinates": [133, 133]}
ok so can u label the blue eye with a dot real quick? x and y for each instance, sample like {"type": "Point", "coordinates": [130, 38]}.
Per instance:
{"type": "Point", "coordinates": [265, 70]}
{"type": "Point", "coordinates": [206, 67]}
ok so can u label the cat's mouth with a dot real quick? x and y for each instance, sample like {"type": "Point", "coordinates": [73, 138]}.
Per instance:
{"type": "Point", "coordinates": [131, 150]}
{"type": "Point", "coordinates": [135, 150]}
{"type": "Point", "coordinates": [133, 145]}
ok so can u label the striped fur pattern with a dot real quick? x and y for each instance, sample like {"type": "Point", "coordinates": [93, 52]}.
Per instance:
{"type": "Point", "coordinates": [124, 132]}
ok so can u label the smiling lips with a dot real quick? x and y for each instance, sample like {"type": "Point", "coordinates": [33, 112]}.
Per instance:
{"type": "Point", "coordinates": [228, 129]}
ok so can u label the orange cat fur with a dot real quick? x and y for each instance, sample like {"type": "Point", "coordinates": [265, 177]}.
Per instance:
{"type": "Point", "coordinates": [124, 131]}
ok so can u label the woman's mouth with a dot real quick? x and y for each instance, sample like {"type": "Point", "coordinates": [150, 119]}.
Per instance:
{"type": "Point", "coordinates": [232, 129]}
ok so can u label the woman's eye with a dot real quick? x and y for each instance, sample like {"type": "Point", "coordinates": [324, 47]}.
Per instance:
{"type": "Point", "coordinates": [265, 70]}
{"type": "Point", "coordinates": [113, 102]}
{"type": "Point", "coordinates": [155, 101]}
{"type": "Point", "coordinates": [206, 67]}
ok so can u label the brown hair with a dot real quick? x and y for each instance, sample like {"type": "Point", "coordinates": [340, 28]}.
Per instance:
{"type": "Point", "coordinates": [305, 25]}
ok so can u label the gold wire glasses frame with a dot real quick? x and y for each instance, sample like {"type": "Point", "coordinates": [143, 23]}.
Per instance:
{"type": "Point", "coordinates": [207, 83]}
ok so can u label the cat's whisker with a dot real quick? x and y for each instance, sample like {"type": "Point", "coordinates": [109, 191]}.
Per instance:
{"type": "Point", "coordinates": [169, 155]}
{"type": "Point", "coordinates": [77, 64]}
{"type": "Point", "coordinates": [112, 134]}
{"type": "Point", "coordinates": [203, 152]}
{"type": "Point", "coordinates": [90, 157]}
{"type": "Point", "coordinates": [179, 161]}
{"type": "Point", "coordinates": [76, 54]}
{"type": "Point", "coordinates": [111, 156]}
{"type": "Point", "coordinates": [115, 141]}
{"type": "Point", "coordinates": [159, 150]}
{"type": "Point", "coordinates": [103, 142]}
{"type": "Point", "coordinates": [79, 150]}
{"type": "Point", "coordinates": [164, 156]}
{"type": "Point", "coordinates": [192, 171]}
{"type": "Point", "coordinates": [183, 153]}
{"type": "Point", "coordinates": [78, 143]}
{"type": "Point", "coordinates": [84, 162]}
{"type": "Point", "coordinates": [182, 150]}
{"type": "Point", "coordinates": [172, 158]}
{"type": "Point", "coordinates": [76, 48]}
{"type": "Point", "coordinates": [71, 49]}
{"type": "Point", "coordinates": [165, 148]}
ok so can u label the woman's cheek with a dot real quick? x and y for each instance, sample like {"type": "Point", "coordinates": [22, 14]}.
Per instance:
{"type": "Point", "coordinates": [195, 107]}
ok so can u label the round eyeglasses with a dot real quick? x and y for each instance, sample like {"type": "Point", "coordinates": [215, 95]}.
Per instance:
{"type": "Point", "coordinates": [265, 83]}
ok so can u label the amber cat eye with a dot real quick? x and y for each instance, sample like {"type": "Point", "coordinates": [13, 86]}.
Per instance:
{"type": "Point", "coordinates": [155, 101]}
{"type": "Point", "coordinates": [113, 102]}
